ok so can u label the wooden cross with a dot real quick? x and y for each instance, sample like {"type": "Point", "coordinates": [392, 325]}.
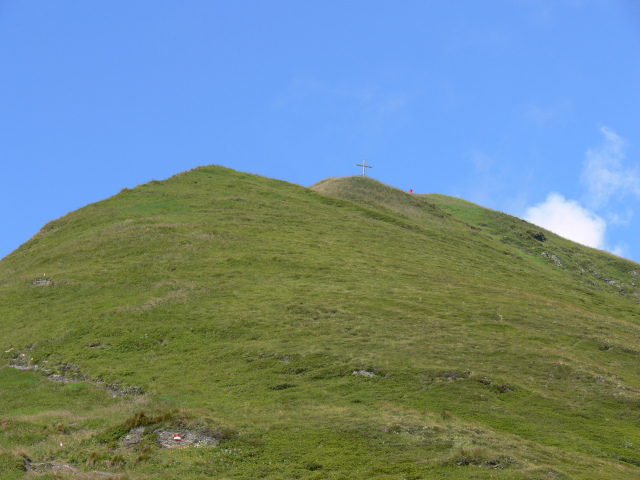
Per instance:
{"type": "Point", "coordinates": [364, 165]}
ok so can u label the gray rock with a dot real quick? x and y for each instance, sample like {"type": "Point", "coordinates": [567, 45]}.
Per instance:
{"type": "Point", "coordinates": [188, 438]}
{"type": "Point", "coordinates": [364, 373]}
{"type": "Point", "coordinates": [134, 436]}
{"type": "Point", "coordinates": [555, 259]}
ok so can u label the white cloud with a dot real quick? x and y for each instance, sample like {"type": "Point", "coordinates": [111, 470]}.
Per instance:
{"type": "Point", "coordinates": [542, 115]}
{"type": "Point", "coordinates": [620, 219]}
{"type": "Point", "coordinates": [604, 174]}
{"type": "Point", "coordinates": [607, 181]}
{"type": "Point", "coordinates": [621, 250]}
{"type": "Point", "coordinates": [569, 220]}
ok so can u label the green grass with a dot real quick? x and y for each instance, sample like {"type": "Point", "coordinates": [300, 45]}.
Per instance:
{"type": "Point", "coordinates": [243, 305]}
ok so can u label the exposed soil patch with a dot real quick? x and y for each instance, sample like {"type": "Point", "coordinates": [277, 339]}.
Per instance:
{"type": "Point", "coordinates": [538, 235]}
{"type": "Point", "coordinates": [62, 379]}
{"type": "Point", "coordinates": [61, 469]}
{"type": "Point", "coordinates": [116, 390]}
{"type": "Point", "coordinates": [188, 438]}
{"type": "Point", "coordinates": [364, 373]}
{"type": "Point", "coordinates": [135, 436]}
{"type": "Point", "coordinates": [19, 366]}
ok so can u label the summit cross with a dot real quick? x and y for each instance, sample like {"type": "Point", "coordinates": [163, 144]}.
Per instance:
{"type": "Point", "coordinates": [364, 165]}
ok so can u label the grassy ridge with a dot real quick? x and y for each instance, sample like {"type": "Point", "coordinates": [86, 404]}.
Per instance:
{"type": "Point", "coordinates": [247, 303]}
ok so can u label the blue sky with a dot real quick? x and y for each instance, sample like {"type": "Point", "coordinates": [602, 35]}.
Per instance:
{"type": "Point", "coordinates": [527, 107]}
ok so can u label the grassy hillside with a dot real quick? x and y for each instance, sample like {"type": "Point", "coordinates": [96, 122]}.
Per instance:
{"type": "Point", "coordinates": [349, 330]}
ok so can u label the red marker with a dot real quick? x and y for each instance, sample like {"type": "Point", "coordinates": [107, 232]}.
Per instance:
{"type": "Point", "coordinates": [176, 437]}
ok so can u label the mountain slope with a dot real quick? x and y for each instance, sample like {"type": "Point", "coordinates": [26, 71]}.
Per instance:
{"type": "Point", "coordinates": [247, 304]}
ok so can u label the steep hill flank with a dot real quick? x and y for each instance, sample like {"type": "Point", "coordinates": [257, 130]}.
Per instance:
{"type": "Point", "coordinates": [598, 270]}
{"type": "Point", "coordinates": [364, 333]}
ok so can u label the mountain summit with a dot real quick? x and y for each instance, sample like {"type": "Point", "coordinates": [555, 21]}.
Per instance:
{"type": "Point", "coordinates": [347, 330]}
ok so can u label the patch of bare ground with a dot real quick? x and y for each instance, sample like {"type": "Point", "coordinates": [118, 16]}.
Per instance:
{"type": "Point", "coordinates": [167, 438]}
{"type": "Point", "coordinates": [75, 376]}
{"type": "Point", "coordinates": [69, 471]}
